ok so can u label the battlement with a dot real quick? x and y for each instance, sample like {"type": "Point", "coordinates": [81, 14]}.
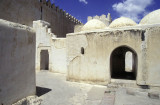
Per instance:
{"type": "Point", "coordinates": [60, 21]}
{"type": "Point", "coordinates": [106, 20]}
{"type": "Point", "coordinates": [60, 11]}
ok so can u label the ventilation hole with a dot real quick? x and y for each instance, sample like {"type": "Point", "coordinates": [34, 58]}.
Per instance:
{"type": "Point", "coordinates": [82, 50]}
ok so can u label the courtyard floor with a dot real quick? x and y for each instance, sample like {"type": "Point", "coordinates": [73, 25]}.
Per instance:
{"type": "Point", "coordinates": [53, 89]}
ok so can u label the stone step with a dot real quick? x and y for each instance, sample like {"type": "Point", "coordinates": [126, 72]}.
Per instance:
{"type": "Point", "coordinates": [122, 85]}
{"type": "Point", "coordinates": [116, 83]}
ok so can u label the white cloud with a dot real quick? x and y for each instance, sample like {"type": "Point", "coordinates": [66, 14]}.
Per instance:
{"type": "Point", "coordinates": [132, 8]}
{"type": "Point", "coordinates": [83, 1]}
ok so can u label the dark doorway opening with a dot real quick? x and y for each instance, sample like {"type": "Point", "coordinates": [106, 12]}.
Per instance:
{"type": "Point", "coordinates": [118, 63]}
{"type": "Point", "coordinates": [44, 65]}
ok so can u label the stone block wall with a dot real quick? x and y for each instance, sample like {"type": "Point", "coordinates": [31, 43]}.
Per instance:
{"type": "Point", "coordinates": [20, 11]}
{"type": "Point", "coordinates": [27, 11]}
{"type": "Point", "coordinates": [61, 22]}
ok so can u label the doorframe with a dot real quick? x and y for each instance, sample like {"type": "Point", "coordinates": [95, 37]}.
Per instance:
{"type": "Point", "coordinates": [40, 48]}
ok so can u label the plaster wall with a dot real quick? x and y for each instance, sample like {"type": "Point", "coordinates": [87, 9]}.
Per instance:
{"type": "Point", "coordinates": [152, 48]}
{"type": "Point", "coordinates": [43, 41]}
{"type": "Point", "coordinates": [78, 28]}
{"type": "Point", "coordinates": [59, 58]}
{"type": "Point", "coordinates": [17, 57]}
{"type": "Point", "coordinates": [56, 47]}
{"type": "Point", "coordinates": [94, 65]}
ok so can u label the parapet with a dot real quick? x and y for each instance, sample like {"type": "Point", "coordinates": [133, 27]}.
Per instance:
{"type": "Point", "coordinates": [49, 3]}
{"type": "Point", "coordinates": [60, 11]}
{"type": "Point", "coordinates": [39, 24]}
{"type": "Point", "coordinates": [106, 20]}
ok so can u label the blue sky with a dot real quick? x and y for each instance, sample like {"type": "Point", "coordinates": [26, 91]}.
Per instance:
{"type": "Point", "coordinates": [134, 9]}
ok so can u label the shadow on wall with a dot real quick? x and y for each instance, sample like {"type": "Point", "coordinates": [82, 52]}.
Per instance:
{"type": "Point", "coordinates": [41, 91]}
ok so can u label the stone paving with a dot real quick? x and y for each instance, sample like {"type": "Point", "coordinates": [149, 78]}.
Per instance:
{"type": "Point", "coordinates": [62, 92]}
{"type": "Point", "coordinates": [53, 89]}
{"type": "Point", "coordinates": [132, 96]}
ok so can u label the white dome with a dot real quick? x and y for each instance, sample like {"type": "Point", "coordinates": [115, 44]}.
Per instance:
{"type": "Point", "coordinates": [151, 18]}
{"type": "Point", "coordinates": [93, 24]}
{"type": "Point", "coordinates": [122, 22]}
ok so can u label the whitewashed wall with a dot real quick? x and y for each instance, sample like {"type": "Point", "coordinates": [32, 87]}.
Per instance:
{"type": "Point", "coordinates": [17, 62]}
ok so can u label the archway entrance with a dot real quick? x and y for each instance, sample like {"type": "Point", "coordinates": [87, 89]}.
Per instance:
{"type": "Point", "coordinates": [44, 65]}
{"type": "Point", "coordinates": [123, 63]}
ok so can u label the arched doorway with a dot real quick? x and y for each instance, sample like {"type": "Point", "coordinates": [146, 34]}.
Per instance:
{"type": "Point", "coordinates": [44, 60]}
{"type": "Point", "coordinates": [122, 58]}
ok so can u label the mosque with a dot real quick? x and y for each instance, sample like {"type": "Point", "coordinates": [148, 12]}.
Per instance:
{"type": "Point", "coordinates": [95, 52]}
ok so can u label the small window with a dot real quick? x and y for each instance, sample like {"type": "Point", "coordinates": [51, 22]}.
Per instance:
{"type": "Point", "coordinates": [82, 50]}
{"type": "Point", "coordinates": [41, 9]}
{"type": "Point", "coordinates": [143, 36]}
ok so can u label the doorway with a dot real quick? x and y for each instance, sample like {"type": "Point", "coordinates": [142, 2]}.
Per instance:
{"type": "Point", "coordinates": [44, 60]}
{"type": "Point", "coordinates": [123, 63]}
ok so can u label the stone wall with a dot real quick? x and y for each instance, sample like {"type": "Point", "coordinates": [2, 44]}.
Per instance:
{"type": "Point", "coordinates": [27, 11]}
{"type": "Point", "coordinates": [17, 57]}
{"type": "Point", "coordinates": [20, 11]}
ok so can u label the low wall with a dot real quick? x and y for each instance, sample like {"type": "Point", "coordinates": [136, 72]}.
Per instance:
{"type": "Point", "coordinates": [17, 57]}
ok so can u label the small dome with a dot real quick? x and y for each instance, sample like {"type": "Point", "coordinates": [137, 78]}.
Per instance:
{"type": "Point", "coordinates": [151, 18]}
{"type": "Point", "coordinates": [122, 22]}
{"type": "Point", "coordinates": [93, 24]}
